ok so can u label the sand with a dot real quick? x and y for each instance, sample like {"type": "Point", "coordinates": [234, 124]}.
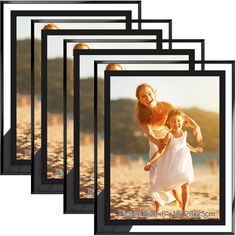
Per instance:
{"type": "Point", "coordinates": [130, 197]}
{"type": "Point", "coordinates": [37, 126]}
{"type": "Point", "coordinates": [129, 183]}
{"type": "Point", "coordinates": [23, 128]}
{"type": "Point", "coordinates": [55, 162]}
{"type": "Point", "coordinates": [87, 167]}
{"type": "Point", "coordinates": [55, 136]}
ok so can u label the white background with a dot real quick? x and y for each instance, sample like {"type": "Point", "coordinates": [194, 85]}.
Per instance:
{"type": "Point", "coordinates": [23, 214]}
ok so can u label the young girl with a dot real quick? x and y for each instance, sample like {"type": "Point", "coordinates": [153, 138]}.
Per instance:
{"type": "Point", "coordinates": [178, 169]}
{"type": "Point", "coordinates": [159, 153]}
{"type": "Point", "coordinates": [151, 116]}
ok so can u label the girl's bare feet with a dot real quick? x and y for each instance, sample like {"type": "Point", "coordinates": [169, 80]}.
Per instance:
{"type": "Point", "coordinates": [184, 215]}
{"type": "Point", "coordinates": [177, 196]}
{"type": "Point", "coordinates": [157, 206]}
{"type": "Point", "coordinates": [179, 204]}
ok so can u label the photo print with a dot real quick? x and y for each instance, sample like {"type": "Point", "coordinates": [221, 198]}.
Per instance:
{"type": "Point", "coordinates": [154, 190]}
{"type": "Point", "coordinates": [46, 179]}
{"type": "Point", "coordinates": [164, 25]}
{"type": "Point", "coordinates": [101, 67]}
{"type": "Point", "coordinates": [79, 187]}
{"type": "Point", "coordinates": [56, 59]}
{"type": "Point", "coordinates": [115, 22]}
{"type": "Point", "coordinates": [16, 131]}
{"type": "Point", "coordinates": [79, 184]}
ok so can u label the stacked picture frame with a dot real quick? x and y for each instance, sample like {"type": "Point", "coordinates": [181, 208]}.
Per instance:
{"type": "Point", "coordinates": [126, 121]}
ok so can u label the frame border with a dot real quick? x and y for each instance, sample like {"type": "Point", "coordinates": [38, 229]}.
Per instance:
{"type": "Point", "coordinates": [77, 53]}
{"type": "Point", "coordinates": [9, 164]}
{"type": "Point", "coordinates": [123, 229]}
{"type": "Point", "coordinates": [38, 186]}
{"type": "Point", "coordinates": [68, 198]}
{"type": "Point", "coordinates": [55, 185]}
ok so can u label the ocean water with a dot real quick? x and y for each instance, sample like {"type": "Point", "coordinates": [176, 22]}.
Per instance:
{"type": "Point", "coordinates": [203, 158]}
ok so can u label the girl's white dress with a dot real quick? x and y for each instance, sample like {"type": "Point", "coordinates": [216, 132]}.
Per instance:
{"type": "Point", "coordinates": [173, 169]}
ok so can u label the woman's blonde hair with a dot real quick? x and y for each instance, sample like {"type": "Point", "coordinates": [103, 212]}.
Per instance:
{"type": "Point", "coordinates": [81, 45]}
{"type": "Point", "coordinates": [144, 115]}
{"type": "Point", "coordinates": [50, 26]}
{"type": "Point", "coordinates": [114, 67]}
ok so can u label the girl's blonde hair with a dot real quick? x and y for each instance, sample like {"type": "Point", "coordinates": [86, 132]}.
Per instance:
{"type": "Point", "coordinates": [144, 115]}
{"type": "Point", "coordinates": [176, 112]}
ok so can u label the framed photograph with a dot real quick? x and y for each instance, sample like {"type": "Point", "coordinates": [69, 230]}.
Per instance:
{"type": "Point", "coordinates": [147, 188]}
{"type": "Point", "coordinates": [100, 68]}
{"type": "Point", "coordinates": [47, 178]}
{"type": "Point", "coordinates": [164, 25]}
{"type": "Point", "coordinates": [79, 22]}
{"type": "Point", "coordinates": [115, 22]}
{"type": "Point", "coordinates": [96, 21]}
{"type": "Point", "coordinates": [82, 185]}
{"type": "Point", "coordinates": [15, 18]}
{"type": "Point", "coordinates": [79, 186]}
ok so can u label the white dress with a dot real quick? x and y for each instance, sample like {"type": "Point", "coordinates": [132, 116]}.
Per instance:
{"type": "Point", "coordinates": [173, 169]}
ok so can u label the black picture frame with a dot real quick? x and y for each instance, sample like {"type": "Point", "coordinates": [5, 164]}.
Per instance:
{"type": "Point", "coordinates": [98, 87]}
{"type": "Point", "coordinates": [9, 162]}
{"type": "Point", "coordinates": [37, 152]}
{"type": "Point", "coordinates": [103, 224]}
{"type": "Point", "coordinates": [147, 24]}
{"type": "Point", "coordinates": [41, 183]}
{"type": "Point", "coordinates": [37, 187]}
{"type": "Point", "coordinates": [69, 183]}
{"type": "Point", "coordinates": [72, 200]}
{"type": "Point", "coordinates": [170, 43]}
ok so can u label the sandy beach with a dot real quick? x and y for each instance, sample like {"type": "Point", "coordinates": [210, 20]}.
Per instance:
{"type": "Point", "coordinates": [130, 189]}
{"type": "Point", "coordinates": [55, 166]}
{"type": "Point", "coordinates": [87, 172]}
{"type": "Point", "coordinates": [23, 128]}
{"type": "Point", "coordinates": [129, 183]}
{"type": "Point", "coordinates": [130, 197]}
{"type": "Point", "coordinates": [87, 166]}
{"type": "Point", "coordinates": [55, 136]}
{"type": "Point", "coordinates": [70, 145]}
{"type": "Point", "coordinates": [55, 142]}
{"type": "Point", "coordinates": [37, 126]}
{"type": "Point", "coordinates": [86, 157]}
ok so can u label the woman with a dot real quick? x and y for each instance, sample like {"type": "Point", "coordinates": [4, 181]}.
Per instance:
{"type": "Point", "coordinates": [152, 116]}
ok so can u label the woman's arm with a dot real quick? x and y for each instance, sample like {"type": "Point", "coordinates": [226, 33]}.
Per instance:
{"type": "Point", "coordinates": [148, 131]}
{"type": "Point", "coordinates": [157, 154]}
{"type": "Point", "coordinates": [155, 157]}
